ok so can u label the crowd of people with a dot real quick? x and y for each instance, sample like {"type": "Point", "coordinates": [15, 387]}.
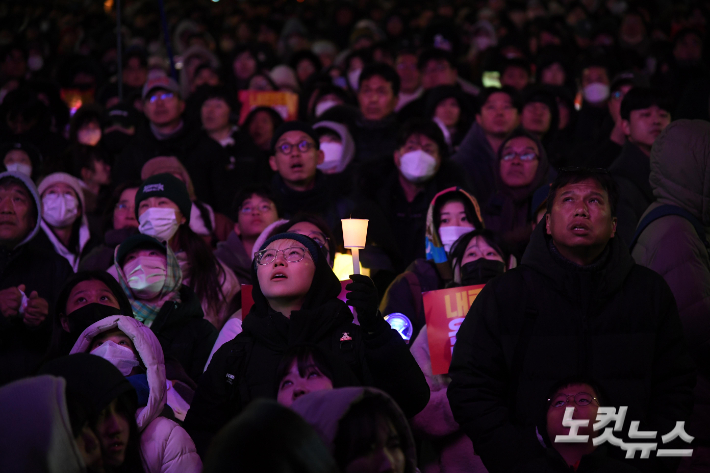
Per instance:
{"type": "Point", "coordinates": [171, 196]}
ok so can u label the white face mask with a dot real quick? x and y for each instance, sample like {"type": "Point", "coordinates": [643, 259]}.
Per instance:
{"type": "Point", "coordinates": [146, 275]}
{"type": "Point", "coordinates": [159, 223]}
{"type": "Point", "coordinates": [353, 78]}
{"type": "Point", "coordinates": [333, 152]}
{"type": "Point", "coordinates": [596, 92]}
{"type": "Point", "coordinates": [22, 168]}
{"type": "Point", "coordinates": [121, 357]}
{"type": "Point", "coordinates": [60, 210]}
{"type": "Point", "coordinates": [321, 107]}
{"type": "Point", "coordinates": [89, 136]}
{"type": "Point", "coordinates": [449, 235]}
{"type": "Point", "coordinates": [417, 166]}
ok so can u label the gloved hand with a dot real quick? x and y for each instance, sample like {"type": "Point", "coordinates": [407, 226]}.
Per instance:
{"type": "Point", "coordinates": [362, 294]}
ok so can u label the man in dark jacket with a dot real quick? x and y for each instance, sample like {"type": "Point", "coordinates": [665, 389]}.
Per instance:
{"type": "Point", "coordinates": [645, 113]}
{"type": "Point", "coordinates": [578, 306]}
{"type": "Point", "coordinates": [496, 117]}
{"type": "Point", "coordinates": [298, 185]}
{"type": "Point", "coordinates": [374, 124]}
{"type": "Point", "coordinates": [30, 280]}
{"type": "Point", "coordinates": [396, 195]}
{"type": "Point", "coordinates": [167, 135]}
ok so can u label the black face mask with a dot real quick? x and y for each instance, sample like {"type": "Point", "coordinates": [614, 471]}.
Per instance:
{"type": "Point", "coordinates": [82, 317]}
{"type": "Point", "coordinates": [480, 271]}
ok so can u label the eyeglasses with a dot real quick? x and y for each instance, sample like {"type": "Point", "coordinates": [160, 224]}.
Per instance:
{"type": "Point", "coordinates": [261, 208]}
{"type": "Point", "coordinates": [124, 207]}
{"type": "Point", "coordinates": [581, 399]}
{"type": "Point", "coordinates": [164, 96]}
{"type": "Point", "coordinates": [293, 254]}
{"type": "Point", "coordinates": [319, 238]}
{"type": "Point", "coordinates": [287, 148]}
{"type": "Point", "coordinates": [527, 157]}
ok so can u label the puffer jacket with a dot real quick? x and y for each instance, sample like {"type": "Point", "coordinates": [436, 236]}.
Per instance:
{"type": "Point", "coordinates": [680, 176]}
{"type": "Point", "coordinates": [165, 446]}
{"type": "Point", "coordinates": [548, 320]}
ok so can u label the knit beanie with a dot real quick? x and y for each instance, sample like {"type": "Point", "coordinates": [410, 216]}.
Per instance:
{"type": "Point", "coordinates": [168, 186]}
{"type": "Point", "coordinates": [70, 180]}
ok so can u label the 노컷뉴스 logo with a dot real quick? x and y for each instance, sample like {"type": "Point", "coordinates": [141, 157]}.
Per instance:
{"type": "Point", "coordinates": [607, 415]}
{"type": "Point", "coordinates": [154, 188]}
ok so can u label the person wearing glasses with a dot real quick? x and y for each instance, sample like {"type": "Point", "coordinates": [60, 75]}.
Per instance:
{"type": "Point", "coordinates": [577, 305]}
{"type": "Point", "coordinates": [168, 133]}
{"type": "Point", "coordinates": [585, 397]}
{"type": "Point", "coordinates": [254, 210]}
{"type": "Point", "coordinates": [522, 169]}
{"type": "Point", "coordinates": [296, 302]}
{"type": "Point", "coordinates": [298, 185]}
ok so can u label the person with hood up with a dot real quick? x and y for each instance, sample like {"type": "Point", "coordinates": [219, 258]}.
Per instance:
{"type": "Point", "coordinates": [97, 390]}
{"type": "Point", "coordinates": [87, 297]}
{"type": "Point", "coordinates": [30, 279]}
{"type": "Point", "coordinates": [65, 228]}
{"type": "Point", "coordinates": [364, 429]}
{"type": "Point", "coordinates": [675, 246]}
{"type": "Point", "coordinates": [578, 305]}
{"type": "Point", "coordinates": [452, 213]}
{"type": "Point", "coordinates": [521, 169]}
{"type": "Point", "coordinates": [150, 276]}
{"type": "Point", "coordinates": [163, 209]}
{"type": "Point", "coordinates": [337, 145]}
{"type": "Point", "coordinates": [476, 258]}
{"type": "Point", "coordinates": [39, 426]}
{"type": "Point", "coordinates": [165, 446]}
{"type": "Point", "coordinates": [295, 302]}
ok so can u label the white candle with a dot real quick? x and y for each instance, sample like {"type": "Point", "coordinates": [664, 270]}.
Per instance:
{"type": "Point", "coordinates": [354, 237]}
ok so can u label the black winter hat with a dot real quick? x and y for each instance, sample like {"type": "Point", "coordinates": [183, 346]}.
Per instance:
{"type": "Point", "coordinates": [135, 241]}
{"type": "Point", "coordinates": [168, 186]}
{"type": "Point", "coordinates": [294, 126]}
{"type": "Point", "coordinates": [90, 378]}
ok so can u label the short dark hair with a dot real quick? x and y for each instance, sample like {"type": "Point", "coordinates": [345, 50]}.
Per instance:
{"type": "Point", "coordinates": [486, 93]}
{"type": "Point", "coordinates": [492, 239]}
{"type": "Point", "coordinates": [639, 98]}
{"type": "Point", "coordinates": [84, 156]}
{"type": "Point", "coordinates": [574, 175]}
{"type": "Point", "coordinates": [431, 130]}
{"type": "Point", "coordinates": [318, 222]}
{"type": "Point", "coordinates": [383, 70]}
{"type": "Point", "coordinates": [302, 354]}
{"type": "Point", "coordinates": [435, 54]}
{"type": "Point", "coordinates": [245, 193]}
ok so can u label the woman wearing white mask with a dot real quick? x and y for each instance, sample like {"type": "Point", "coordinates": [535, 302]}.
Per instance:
{"type": "Point", "coordinates": [65, 228]}
{"type": "Point", "coordinates": [337, 144]}
{"type": "Point", "coordinates": [452, 213]}
{"type": "Point", "coordinates": [150, 276]}
{"type": "Point", "coordinates": [163, 208]}
{"type": "Point", "coordinates": [21, 157]}
{"type": "Point", "coordinates": [165, 447]}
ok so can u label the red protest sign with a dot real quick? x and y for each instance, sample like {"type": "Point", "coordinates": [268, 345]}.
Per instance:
{"type": "Point", "coordinates": [444, 311]}
{"type": "Point", "coordinates": [248, 300]}
{"type": "Point", "coordinates": [285, 103]}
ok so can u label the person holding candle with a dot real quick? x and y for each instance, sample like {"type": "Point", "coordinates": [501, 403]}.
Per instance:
{"type": "Point", "coordinates": [296, 301]}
